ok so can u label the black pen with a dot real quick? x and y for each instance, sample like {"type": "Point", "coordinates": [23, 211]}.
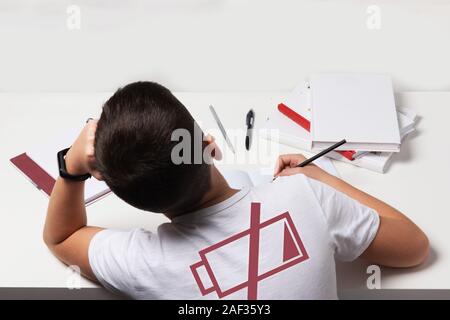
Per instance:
{"type": "Point", "coordinates": [250, 121]}
{"type": "Point", "coordinates": [321, 153]}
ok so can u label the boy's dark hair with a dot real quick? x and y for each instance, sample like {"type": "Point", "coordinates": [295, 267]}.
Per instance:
{"type": "Point", "coordinates": [133, 150]}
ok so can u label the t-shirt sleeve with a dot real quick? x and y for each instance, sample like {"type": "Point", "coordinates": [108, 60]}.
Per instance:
{"type": "Point", "coordinates": [352, 225]}
{"type": "Point", "coordinates": [112, 256]}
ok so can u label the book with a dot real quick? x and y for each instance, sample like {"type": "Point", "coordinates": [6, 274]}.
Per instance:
{"type": "Point", "coordinates": [239, 179]}
{"type": "Point", "coordinates": [292, 112]}
{"type": "Point", "coordinates": [40, 166]}
{"type": "Point", "coordinates": [297, 107]}
{"type": "Point", "coordinates": [357, 107]}
{"type": "Point", "coordinates": [294, 134]}
{"type": "Point", "coordinates": [299, 101]}
{"type": "Point", "coordinates": [291, 134]}
{"type": "Point", "coordinates": [379, 161]}
{"type": "Point", "coordinates": [287, 131]}
{"type": "Point", "coordinates": [305, 123]}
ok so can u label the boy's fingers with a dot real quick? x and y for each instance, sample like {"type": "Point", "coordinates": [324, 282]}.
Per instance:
{"type": "Point", "coordinates": [92, 126]}
{"type": "Point", "coordinates": [288, 160]}
{"type": "Point", "coordinates": [209, 138]}
{"type": "Point", "coordinates": [282, 162]}
{"type": "Point", "coordinates": [97, 175]}
{"type": "Point", "coordinates": [217, 152]}
{"type": "Point", "coordinates": [90, 150]}
{"type": "Point", "coordinates": [290, 171]}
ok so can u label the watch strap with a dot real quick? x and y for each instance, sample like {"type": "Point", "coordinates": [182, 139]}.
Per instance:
{"type": "Point", "coordinates": [63, 169]}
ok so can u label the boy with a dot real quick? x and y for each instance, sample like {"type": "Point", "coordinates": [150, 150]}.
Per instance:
{"type": "Point", "coordinates": [275, 241]}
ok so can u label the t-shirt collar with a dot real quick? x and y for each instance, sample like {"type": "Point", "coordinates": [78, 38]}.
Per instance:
{"type": "Point", "coordinates": [214, 208]}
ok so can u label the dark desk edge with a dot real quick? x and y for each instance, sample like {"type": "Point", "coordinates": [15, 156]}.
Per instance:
{"type": "Point", "coordinates": [102, 294]}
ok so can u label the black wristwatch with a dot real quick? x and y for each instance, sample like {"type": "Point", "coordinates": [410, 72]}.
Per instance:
{"type": "Point", "coordinates": [63, 169]}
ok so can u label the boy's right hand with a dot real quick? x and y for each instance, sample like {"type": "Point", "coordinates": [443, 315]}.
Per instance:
{"type": "Point", "coordinates": [287, 166]}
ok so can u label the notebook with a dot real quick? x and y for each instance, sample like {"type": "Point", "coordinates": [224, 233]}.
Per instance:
{"type": "Point", "coordinates": [297, 107]}
{"type": "Point", "coordinates": [239, 179]}
{"type": "Point", "coordinates": [299, 100]}
{"type": "Point", "coordinates": [40, 166]}
{"type": "Point", "coordinates": [379, 161]}
{"type": "Point", "coordinates": [294, 135]}
{"type": "Point", "coordinates": [288, 132]}
{"type": "Point", "coordinates": [357, 107]}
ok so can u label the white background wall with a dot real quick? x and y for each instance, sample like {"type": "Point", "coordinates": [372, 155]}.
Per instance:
{"type": "Point", "coordinates": [219, 45]}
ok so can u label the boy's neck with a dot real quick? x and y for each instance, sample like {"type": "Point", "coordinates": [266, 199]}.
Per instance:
{"type": "Point", "coordinates": [219, 191]}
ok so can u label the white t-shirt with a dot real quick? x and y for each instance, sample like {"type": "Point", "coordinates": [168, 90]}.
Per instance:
{"type": "Point", "coordinates": [275, 241]}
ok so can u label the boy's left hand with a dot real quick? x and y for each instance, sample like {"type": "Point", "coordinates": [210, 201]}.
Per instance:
{"type": "Point", "coordinates": [80, 159]}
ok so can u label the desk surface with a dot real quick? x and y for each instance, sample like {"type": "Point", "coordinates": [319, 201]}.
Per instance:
{"type": "Point", "coordinates": [417, 182]}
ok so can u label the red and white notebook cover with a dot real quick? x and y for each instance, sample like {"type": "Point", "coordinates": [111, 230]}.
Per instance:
{"type": "Point", "coordinates": [38, 176]}
{"type": "Point", "coordinates": [297, 108]}
{"type": "Point", "coordinates": [40, 166]}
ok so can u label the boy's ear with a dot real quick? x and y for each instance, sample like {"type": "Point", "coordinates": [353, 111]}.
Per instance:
{"type": "Point", "coordinates": [216, 153]}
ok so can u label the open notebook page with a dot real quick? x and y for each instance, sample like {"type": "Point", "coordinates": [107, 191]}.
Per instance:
{"type": "Point", "coordinates": [45, 157]}
{"type": "Point", "coordinates": [239, 179]}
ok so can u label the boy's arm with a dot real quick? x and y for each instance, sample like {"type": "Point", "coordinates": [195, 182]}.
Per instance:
{"type": "Point", "coordinates": [65, 231]}
{"type": "Point", "coordinates": [398, 243]}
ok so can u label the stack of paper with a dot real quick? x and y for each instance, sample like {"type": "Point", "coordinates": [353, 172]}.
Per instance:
{"type": "Point", "coordinates": [332, 107]}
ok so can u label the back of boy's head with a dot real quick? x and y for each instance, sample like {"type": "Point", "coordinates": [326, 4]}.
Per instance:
{"type": "Point", "coordinates": [133, 150]}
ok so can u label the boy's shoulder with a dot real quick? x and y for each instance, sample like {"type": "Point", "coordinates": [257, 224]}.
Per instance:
{"type": "Point", "coordinates": [287, 191]}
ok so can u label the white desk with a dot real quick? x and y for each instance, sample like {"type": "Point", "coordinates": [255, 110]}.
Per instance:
{"type": "Point", "coordinates": [418, 182]}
